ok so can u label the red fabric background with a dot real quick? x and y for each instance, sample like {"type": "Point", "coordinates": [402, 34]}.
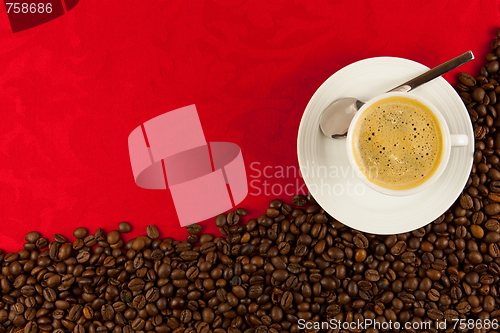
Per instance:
{"type": "Point", "coordinates": [72, 90]}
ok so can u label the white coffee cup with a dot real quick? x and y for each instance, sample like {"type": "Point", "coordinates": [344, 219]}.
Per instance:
{"type": "Point", "coordinates": [448, 141]}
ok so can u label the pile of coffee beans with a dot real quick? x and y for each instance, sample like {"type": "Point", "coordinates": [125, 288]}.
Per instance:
{"type": "Point", "coordinates": [292, 263]}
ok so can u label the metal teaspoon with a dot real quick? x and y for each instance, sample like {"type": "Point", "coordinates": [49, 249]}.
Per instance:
{"type": "Point", "coordinates": [335, 119]}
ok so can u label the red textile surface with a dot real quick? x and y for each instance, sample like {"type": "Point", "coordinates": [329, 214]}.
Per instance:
{"type": "Point", "coordinates": [72, 90]}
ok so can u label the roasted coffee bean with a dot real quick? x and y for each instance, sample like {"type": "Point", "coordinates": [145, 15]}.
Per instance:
{"type": "Point", "coordinates": [492, 209]}
{"type": "Point", "coordinates": [467, 79]}
{"type": "Point", "coordinates": [32, 237]}
{"type": "Point", "coordinates": [241, 211]}
{"type": "Point", "coordinates": [299, 200]}
{"type": "Point", "coordinates": [463, 307]}
{"type": "Point", "coordinates": [138, 324]}
{"type": "Point", "coordinates": [466, 201]}
{"type": "Point", "coordinates": [18, 308]}
{"type": "Point", "coordinates": [83, 257]}
{"type": "Point", "coordinates": [124, 227]}
{"type": "Point", "coordinates": [435, 314]}
{"type": "Point", "coordinates": [189, 255]}
{"type": "Point", "coordinates": [29, 314]}
{"type": "Point", "coordinates": [153, 232]}
{"type": "Point", "coordinates": [90, 241]}
{"type": "Point", "coordinates": [433, 295]}
{"type": "Point", "coordinates": [79, 329]}
{"type": "Point", "coordinates": [59, 238]}
{"type": "Point", "coordinates": [126, 296]}
{"type": "Point", "coordinates": [113, 237]}
{"type": "Point", "coordinates": [31, 327]}
{"type": "Point", "coordinates": [54, 281]}
{"type": "Point", "coordinates": [220, 220]}
{"type": "Point", "coordinates": [232, 218]}
{"type": "Point", "coordinates": [193, 229]}
{"type": "Point", "coordinates": [64, 251]}
{"type": "Point", "coordinates": [372, 275]}
{"type": "Point", "coordinates": [88, 312]}
{"type": "Point", "coordinates": [49, 294]}
{"type": "Point", "coordinates": [398, 248]}
{"type": "Point", "coordinates": [78, 244]}
{"type": "Point", "coordinates": [75, 312]}
{"type": "Point", "coordinates": [360, 241]}
{"type": "Point", "coordinates": [136, 284]}
{"type": "Point", "coordinates": [107, 312]}
{"type": "Point", "coordinates": [80, 233]}
{"type": "Point", "coordinates": [494, 187]}
{"type": "Point", "coordinates": [286, 300]}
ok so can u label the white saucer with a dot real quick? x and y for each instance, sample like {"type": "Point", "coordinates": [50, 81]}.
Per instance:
{"type": "Point", "coordinates": [326, 169]}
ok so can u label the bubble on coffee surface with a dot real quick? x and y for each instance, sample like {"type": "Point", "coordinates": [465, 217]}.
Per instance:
{"type": "Point", "coordinates": [397, 143]}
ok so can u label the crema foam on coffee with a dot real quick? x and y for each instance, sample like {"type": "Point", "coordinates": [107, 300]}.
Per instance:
{"type": "Point", "coordinates": [397, 143]}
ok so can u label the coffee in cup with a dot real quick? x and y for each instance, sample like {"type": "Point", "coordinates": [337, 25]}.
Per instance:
{"type": "Point", "coordinates": [397, 143]}
{"type": "Point", "coordinates": [400, 144]}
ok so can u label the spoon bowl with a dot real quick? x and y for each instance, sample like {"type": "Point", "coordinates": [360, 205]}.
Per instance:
{"type": "Point", "coordinates": [338, 115]}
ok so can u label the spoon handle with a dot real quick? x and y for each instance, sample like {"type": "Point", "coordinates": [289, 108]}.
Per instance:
{"type": "Point", "coordinates": [435, 72]}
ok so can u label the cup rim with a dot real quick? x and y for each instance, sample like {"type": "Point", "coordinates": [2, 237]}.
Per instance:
{"type": "Point", "coordinates": [446, 136]}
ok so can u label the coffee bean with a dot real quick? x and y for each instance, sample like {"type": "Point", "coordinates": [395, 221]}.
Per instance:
{"type": "Point", "coordinates": [49, 294]}
{"type": "Point", "coordinates": [59, 238]}
{"type": "Point", "coordinates": [90, 241]}
{"type": "Point", "coordinates": [42, 243]}
{"type": "Point", "coordinates": [113, 237]}
{"type": "Point", "coordinates": [220, 220]}
{"type": "Point", "coordinates": [153, 232]}
{"type": "Point", "coordinates": [32, 237]}
{"type": "Point", "coordinates": [29, 314]}
{"type": "Point", "coordinates": [54, 281]}
{"type": "Point", "coordinates": [372, 275]}
{"type": "Point", "coordinates": [138, 324]}
{"type": "Point", "coordinates": [88, 312]}
{"type": "Point", "coordinates": [107, 312]}
{"type": "Point", "coordinates": [64, 251]}
{"type": "Point", "coordinates": [189, 255]}
{"type": "Point", "coordinates": [79, 329]}
{"type": "Point", "coordinates": [406, 297]}
{"type": "Point", "coordinates": [124, 227]}
{"type": "Point", "coordinates": [138, 244]}
{"type": "Point", "coordinates": [466, 201]}
{"type": "Point", "coordinates": [31, 327]}
{"type": "Point", "coordinates": [463, 307]}
{"type": "Point", "coordinates": [433, 295]}
{"type": "Point", "coordinates": [136, 284]}
{"type": "Point", "coordinates": [286, 300]}
{"type": "Point", "coordinates": [467, 79]}
{"type": "Point", "coordinates": [299, 200]}
{"type": "Point", "coordinates": [494, 186]}
{"type": "Point", "coordinates": [494, 250]}
{"type": "Point", "coordinates": [78, 244]}
{"type": "Point", "coordinates": [241, 211]}
{"type": "Point", "coordinates": [193, 229]}
{"type": "Point", "coordinates": [80, 233]}
{"type": "Point", "coordinates": [398, 248]}
{"type": "Point", "coordinates": [83, 257]}
{"type": "Point", "coordinates": [75, 312]}
{"type": "Point", "coordinates": [451, 315]}
{"type": "Point", "coordinates": [435, 314]}
{"type": "Point", "coordinates": [360, 241]}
